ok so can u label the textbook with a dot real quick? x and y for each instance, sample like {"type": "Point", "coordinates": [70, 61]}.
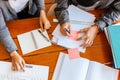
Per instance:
{"type": "Point", "coordinates": [82, 69]}
{"type": "Point", "coordinates": [33, 40]}
{"type": "Point", "coordinates": [32, 72]}
{"type": "Point", "coordinates": [113, 37]}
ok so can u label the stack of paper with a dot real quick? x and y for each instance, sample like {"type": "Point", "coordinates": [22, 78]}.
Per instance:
{"type": "Point", "coordinates": [79, 19]}
{"type": "Point", "coordinates": [32, 72]}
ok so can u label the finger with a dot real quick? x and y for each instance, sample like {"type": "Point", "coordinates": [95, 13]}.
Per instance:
{"type": "Point", "coordinates": [48, 25]}
{"type": "Point", "coordinates": [13, 67]}
{"type": "Point", "coordinates": [67, 31]}
{"type": "Point", "coordinates": [69, 28]}
{"type": "Point", "coordinates": [41, 26]}
{"type": "Point", "coordinates": [23, 63]}
{"type": "Point", "coordinates": [86, 43]}
{"type": "Point", "coordinates": [91, 43]}
{"type": "Point", "coordinates": [63, 31]}
{"type": "Point", "coordinates": [21, 66]}
{"type": "Point", "coordinates": [82, 37]}
{"type": "Point", "coordinates": [83, 30]}
{"type": "Point", "coordinates": [17, 67]}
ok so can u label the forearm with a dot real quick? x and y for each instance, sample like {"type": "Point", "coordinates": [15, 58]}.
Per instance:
{"type": "Point", "coordinates": [108, 18]}
{"type": "Point", "coordinates": [5, 36]}
{"type": "Point", "coordinates": [61, 11]}
{"type": "Point", "coordinates": [40, 4]}
{"type": "Point", "coordinates": [7, 41]}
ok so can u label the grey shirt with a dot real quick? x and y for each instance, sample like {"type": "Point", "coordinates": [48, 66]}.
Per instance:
{"type": "Point", "coordinates": [7, 14]}
{"type": "Point", "coordinates": [104, 20]}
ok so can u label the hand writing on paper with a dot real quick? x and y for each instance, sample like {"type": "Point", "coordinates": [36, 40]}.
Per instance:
{"type": "Point", "coordinates": [90, 34]}
{"type": "Point", "coordinates": [65, 29]}
{"type": "Point", "coordinates": [18, 62]}
{"type": "Point", "coordinates": [44, 23]}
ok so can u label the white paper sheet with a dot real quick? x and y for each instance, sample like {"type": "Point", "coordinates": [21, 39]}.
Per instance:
{"type": "Point", "coordinates": [32, 72]}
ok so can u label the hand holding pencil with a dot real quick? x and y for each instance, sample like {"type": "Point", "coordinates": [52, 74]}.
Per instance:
{"type": "Point", "coordinates": [65, 29]}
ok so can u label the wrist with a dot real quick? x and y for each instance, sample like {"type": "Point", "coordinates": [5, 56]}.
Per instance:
{"type": "Point", "coordinates": [14, 53]}
{"type": "Point", "coordinates": [96, 28]}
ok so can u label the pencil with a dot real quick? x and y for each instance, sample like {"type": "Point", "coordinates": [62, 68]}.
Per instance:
{"type": "Point", "coordinates": [43, 35]}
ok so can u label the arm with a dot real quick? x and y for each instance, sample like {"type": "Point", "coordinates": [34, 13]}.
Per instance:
{"type": "Point", "coordinates": [105, 20]}
{"type": "Point", "coordinates": [6, 39]}
{"type": "Point", "coordinates": [44, 23]}
{"type": "Point", "coordinates": [111, 16]}
{"type": "Point", "coordinates": [62, 15]}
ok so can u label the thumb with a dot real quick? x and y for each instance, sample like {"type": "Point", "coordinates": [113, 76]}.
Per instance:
{"type": "Point", "coordinates": [83, 30]}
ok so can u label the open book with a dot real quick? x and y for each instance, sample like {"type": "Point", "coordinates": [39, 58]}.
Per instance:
{"type": "Point", "coordinates": [79, 19]}
{"type": "Point", "coordinates": [113, 37]}
{"type": "Point", "coordinates": [33, 40]}
{"type": "Point", "coordinates": [82, 69]}
{"type": "Point", "coordinates": [32, 72]}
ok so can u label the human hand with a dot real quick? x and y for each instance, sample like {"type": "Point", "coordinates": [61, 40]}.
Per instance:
{"type": "Point", "coordinates": [18, 62]}
{"type": "Point", "coordinates": [44, 23]}
{"type": "Point", "coordinates": [90, 34]}
{"type": "Point", "coordinates": [65, 28]}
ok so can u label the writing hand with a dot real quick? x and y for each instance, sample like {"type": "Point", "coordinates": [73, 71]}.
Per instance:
{"type": "Point", "coordinates": [65, 29]}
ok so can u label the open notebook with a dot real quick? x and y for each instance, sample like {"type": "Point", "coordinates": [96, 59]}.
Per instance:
{"type": "Point", "coordinates": [79, 19]}
{"type": "Point", "coordinates": [33, 40]}
{"type": "Point", "coordinates": [32, 72]}
{"type": "Point", "coordinates": [82, 69]}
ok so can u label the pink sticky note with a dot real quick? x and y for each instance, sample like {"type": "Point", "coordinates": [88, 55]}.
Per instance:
{"type": "Point", "coordinates": [73, 53]}
{"type": "Point", "coordinates": [74, 35]}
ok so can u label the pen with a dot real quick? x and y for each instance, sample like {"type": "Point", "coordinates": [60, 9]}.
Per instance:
{"type": "Point", "coordinates": [67, 30]}
{"type": "Point", "coordinates": [43, 35]}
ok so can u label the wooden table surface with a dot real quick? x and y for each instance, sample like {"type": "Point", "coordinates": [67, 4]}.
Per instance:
{"type": "Point", "coordinates": [100, 50]}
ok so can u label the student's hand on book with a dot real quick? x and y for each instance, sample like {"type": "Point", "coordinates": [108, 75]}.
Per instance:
{"type": "Point", "coordinates": [65, 28]}
{"type": "Point", "coordinates": [89, 36]}
{"type": "Point", "coordinates": [18, 62]}
{"type": "Point", "coordinates": [44, 22]}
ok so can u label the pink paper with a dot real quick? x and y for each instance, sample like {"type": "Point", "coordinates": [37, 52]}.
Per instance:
{"type": "Point", "coordinates": [74, 35]}
{"type": "Point", "coordinates": [73, 53]}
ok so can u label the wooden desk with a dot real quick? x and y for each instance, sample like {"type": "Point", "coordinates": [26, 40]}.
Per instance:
{"type": "Point", "coordinates": [100, 50]}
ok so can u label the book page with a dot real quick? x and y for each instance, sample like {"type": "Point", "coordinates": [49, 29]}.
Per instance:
{"type": "Point", "coordinates": [73, 69]}
{"type": "Point", "coordinates": [32, 72]}
{"type": "Point", "coordinates": [98, 71]}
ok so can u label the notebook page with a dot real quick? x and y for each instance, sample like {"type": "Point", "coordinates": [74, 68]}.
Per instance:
{"type": "Point", "coordinates": [73, 69]}
{"type": "Point", "coordinates": [26, 42]}
{"type": "Point", "coordinates": [40, 40]}
{"type": "Point", "coordinates": [98, 71]}
{"type": "Point", "coordinates": [33, 40]}
{"type": "Point", "coordinates": [32, 72]}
